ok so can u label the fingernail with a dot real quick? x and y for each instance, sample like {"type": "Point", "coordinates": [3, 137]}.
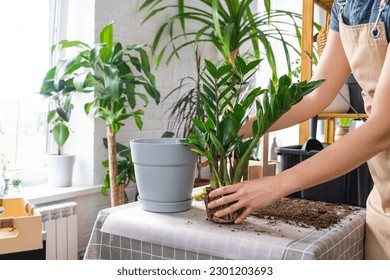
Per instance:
{"type": "Point", "coordinates": [210, 205]}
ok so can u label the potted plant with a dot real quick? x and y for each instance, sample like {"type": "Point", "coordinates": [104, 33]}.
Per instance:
{"type": "Point", "coordinates": [17, 184]}
{"type": "Point", "coordinates": [227, 106]}
{"type": "Point", "coordinates": [116, 72]}
{"type": "Point", "coordinates": [342, 128]}
{"type": "Point", "coordinates": [59, 84]}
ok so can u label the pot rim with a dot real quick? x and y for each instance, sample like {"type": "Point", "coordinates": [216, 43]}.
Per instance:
{"type": "Point", "coordinates": [158, 141]}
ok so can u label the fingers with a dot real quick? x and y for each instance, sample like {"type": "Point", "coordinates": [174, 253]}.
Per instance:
{"type": "Point", "coordinates": [232, 208]}
{"type": "Point", "coordinates": [242, 217]}
{"type": "Point", "coordinates": [227, 196]}
{"type": "Point", "coordinates": [224, 190]}
{"type": "Point", "coordinates": [230, 195]}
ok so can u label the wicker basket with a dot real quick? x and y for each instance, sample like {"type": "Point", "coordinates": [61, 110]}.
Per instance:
{"type": "Point", "coordinates": [321, 38]}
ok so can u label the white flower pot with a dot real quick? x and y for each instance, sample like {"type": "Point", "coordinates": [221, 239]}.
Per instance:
{"type": "Point", "coordinates": [340, 104]}
{"type": "Point", "coordinates": [165, 174]}
{"type": "Point", "coordinates": [60, 170]}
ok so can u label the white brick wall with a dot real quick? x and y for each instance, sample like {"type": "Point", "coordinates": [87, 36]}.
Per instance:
{"type": "Point", "coordinates": [129, 30]}
{"type": "Point", "coordinates": [86, 141]}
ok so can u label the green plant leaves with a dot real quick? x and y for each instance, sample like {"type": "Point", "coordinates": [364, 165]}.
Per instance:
{"type": "Point", "coordinates": [60, 133]}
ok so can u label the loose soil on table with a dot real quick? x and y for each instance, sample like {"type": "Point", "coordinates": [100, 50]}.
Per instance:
{"type": "Point", "coordinates": [305, 213]}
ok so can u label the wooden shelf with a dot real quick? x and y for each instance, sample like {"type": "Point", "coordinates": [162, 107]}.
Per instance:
{"type": "Point", "coordinates": [330, 123]}
{"type": "Point", "coordinates": [341, 115]}
{"type": "Point", "coordinates": [306, 66]}
{"type": "Point", "coordinates": [325, 4]}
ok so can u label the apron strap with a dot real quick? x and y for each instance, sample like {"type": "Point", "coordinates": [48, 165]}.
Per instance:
{"type": "Point", "coordinates": [375, 32]}
{"type": "Point", "coordinates": [341, 3]}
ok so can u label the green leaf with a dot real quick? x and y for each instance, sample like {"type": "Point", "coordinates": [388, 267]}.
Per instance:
{"type": "Point", "coordinates": [167, 134]}
{"type": "Point", "coordinates": [87, 107]}
{"type": "Point", "coordinates": [227, 131]}
{"type": "Point", "coordinates": [51, 116]}
{"type": "Point", "coordinates": [217, 144]}
{"type": "Point", "coordinates": [65, 115]}
{"type": "Point", "coordinates": [107, 38]}
{"type": "Point", "coordinates": [111, 81]}
{"type": "Point", "coordinates": [60, 133]}
{"type": "Point", "coordinates": [211, 69]}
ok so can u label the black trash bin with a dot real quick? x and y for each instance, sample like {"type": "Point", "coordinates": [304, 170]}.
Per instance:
{"type": "Point", "coordinates": [355, 95]}
{"type": "Point", "coordinates": [352, 188]}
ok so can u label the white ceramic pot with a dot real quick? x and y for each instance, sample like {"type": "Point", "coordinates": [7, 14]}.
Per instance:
{"type": "Point", "coordinates": [339, 105]}
{"type": "Point", "coordinates": [60, 170]}
{"type": "Point", "coordinates": [340, 132]}
{"type": "Point", "coordinates": [165, 174]}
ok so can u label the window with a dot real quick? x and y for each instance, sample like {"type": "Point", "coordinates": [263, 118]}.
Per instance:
{"type": "Point", "coordinates": [29, 28]}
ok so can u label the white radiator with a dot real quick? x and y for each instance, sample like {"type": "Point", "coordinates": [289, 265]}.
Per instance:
{"type": "Point", "coordinates": [60, 223]}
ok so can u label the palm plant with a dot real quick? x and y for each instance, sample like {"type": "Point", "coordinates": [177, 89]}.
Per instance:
{"type": "Point", "coordinates": [226, 24]}
{"type": "Point", "coordinates": [227, 105]}
{"type": "Point", "coordinates": [188, 105]}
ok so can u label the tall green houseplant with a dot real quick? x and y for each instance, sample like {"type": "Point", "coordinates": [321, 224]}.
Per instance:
{"type": "Point", "coordinates": [116, 73]}
{"type": "Point", "coordinates": [226, 24]}
{"type": "Point", "coordinates": [227, 105]}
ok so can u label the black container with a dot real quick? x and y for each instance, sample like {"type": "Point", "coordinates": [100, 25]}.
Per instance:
{"type": "Point", "coordinates": [352, 188]}
{"type": "Point", "coordinates": [355, 95]}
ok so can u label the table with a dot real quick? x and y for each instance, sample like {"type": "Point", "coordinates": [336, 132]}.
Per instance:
{"type": "Point", "coordinates": [128, 232]}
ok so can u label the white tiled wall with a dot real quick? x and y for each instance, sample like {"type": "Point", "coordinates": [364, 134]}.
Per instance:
{"type": "Point", "coordinates": [89, 132]}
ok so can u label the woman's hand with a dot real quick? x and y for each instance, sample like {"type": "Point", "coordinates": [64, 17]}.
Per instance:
{"type": "Point", "coordinates": [251, 195]}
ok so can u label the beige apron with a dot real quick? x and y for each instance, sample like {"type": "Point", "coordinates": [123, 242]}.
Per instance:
{"type": "Point", "coordinates": [365, 46]}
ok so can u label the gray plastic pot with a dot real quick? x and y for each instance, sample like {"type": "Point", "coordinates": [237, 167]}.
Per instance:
{"type": "Point", "coordinates": [165, 174]}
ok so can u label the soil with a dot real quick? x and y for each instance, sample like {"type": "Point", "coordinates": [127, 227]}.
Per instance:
{"type": "Point", "coordinates": [305, 213]}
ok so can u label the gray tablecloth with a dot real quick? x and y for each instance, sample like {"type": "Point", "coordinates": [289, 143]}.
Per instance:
{"type": "Point", "coordinates": [128, 232]}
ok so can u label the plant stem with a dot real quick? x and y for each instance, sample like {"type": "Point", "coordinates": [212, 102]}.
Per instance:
{"type": "Point", "coordinates": [243, 163]}
{"type": "Point", "coordinates": [232, 56]}
{"type": "Point", "coordinates": [113, 168]}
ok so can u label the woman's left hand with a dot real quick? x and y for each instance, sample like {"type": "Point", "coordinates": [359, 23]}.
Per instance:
{"type": "Point", "coordinates": [250, 195]}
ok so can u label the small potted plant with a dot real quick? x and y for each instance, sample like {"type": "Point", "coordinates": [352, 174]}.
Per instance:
{"type": "Point", "coordinates": [342, 128]}
{"type": "Point", "coordinates": [17, 184]}
{"type": "Point", "coordinates": [63, 80]}
{"type": "Point", "coordinates": [227, 106]}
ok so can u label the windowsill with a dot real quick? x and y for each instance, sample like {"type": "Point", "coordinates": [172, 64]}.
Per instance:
{"type": "Point", "coordinates": [39, 194]}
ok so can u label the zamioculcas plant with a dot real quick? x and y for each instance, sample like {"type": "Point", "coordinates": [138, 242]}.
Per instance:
{"type": "Point", "coordinates": [227, 105]}
{"type": "Point", "coordinates": [118, 75]}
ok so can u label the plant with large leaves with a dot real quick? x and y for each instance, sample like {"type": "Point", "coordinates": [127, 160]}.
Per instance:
{"type": "Point", "coordinates": [63, 80]}
{"type": "Point", "coordinates": [116, 73]}
{"type": "Point", "coordinates": [227, 105]}
{"type": "Point", "coordinates": [226, 24]}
